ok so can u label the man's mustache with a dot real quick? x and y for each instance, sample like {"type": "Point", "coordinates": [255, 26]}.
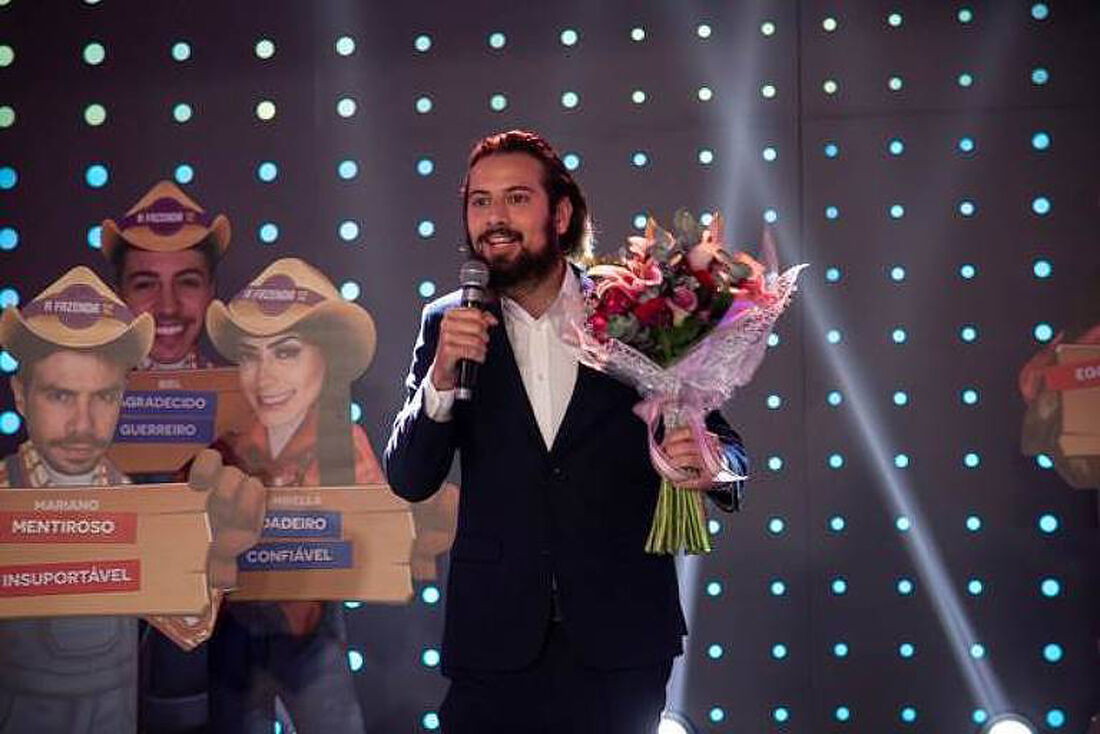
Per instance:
{"type": "Point", "coordinates": [483, 238]}
{"type": "Point", "coordinates": [81, 440]}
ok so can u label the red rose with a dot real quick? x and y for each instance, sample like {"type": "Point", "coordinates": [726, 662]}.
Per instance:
{"type": "Point", "coordinates": [654, 312]}
{"type": "Point", "coordinates": [617, 301]}
{"type": "Point", "coordinates": [704, 278]}
{"type": "Point", "coordinates": [599, 325]}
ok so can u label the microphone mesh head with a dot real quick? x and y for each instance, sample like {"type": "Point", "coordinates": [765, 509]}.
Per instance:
{"type": "Point", "coordinates": [473, 273]}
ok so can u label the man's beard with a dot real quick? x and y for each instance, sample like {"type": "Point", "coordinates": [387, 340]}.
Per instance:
{"type": "Point", "coordinates": [528, 267]}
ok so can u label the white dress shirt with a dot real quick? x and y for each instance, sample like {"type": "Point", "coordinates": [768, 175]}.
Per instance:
{"type": "Point", "coordinates": [547, 365]}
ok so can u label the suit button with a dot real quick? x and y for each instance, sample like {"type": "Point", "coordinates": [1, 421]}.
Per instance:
{"type": "Point", "coordinates": [557, 473]}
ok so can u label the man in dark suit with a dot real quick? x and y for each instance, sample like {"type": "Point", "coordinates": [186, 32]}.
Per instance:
{"type": "Point", "coordinates": [556, 618]}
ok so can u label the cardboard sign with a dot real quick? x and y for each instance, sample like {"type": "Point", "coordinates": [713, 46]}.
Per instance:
{"type": "Point", "coordinates": [127, 550]}
{"type": "Point", "coordinates": [1080, 402]}
{"type": "Point", "coordinates": [330, 543]}
{"type": "Point", "coordinates": [169, 416]}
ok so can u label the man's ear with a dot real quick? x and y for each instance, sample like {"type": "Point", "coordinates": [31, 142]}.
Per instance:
{"type": "Point", "coordinates": [17, 391]}
{"type": "Point", "coordinates": [563, 212]}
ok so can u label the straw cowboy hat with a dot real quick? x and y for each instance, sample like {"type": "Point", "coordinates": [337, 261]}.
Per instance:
{"type": "Point", "coordinates": [293, 295]}
{"type": "Point", "coordinates": [77, 311]}
{"type": "Point", "coordinates": [164, 220]}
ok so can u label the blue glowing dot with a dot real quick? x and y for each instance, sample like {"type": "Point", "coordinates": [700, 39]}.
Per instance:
{"type": "Point", "coordinates": [840, 650]}
{"type": "Point", "coordinates": [569, 37]}
{"type": "Point", "coordinates": [908, 714]}
{"type": "Point", "coordinates": [967, 271]}
{"type": "Point", "coordinates": [422, 43]}
{"type": "Point", "coordinates": [1056, 718]}
{"type": "Point", "coordinates": [832, 150]}
{"type": "Point", "coordinates": [716, 715]}
{"type": "Point", "coordinates": [905, 587]}
{"type": "Point", "coordinates": [96, 175]}
{"type": "Point", "coordinates": [703, 30]}
{"type": "Point", "coordinates": [425, 228]}
{"type": "Point", "coordinates": [1043, 461]}
{"type": "Point", "coordinates": [9, 297]}
{"type": "Point", "coordinates": [779, 651]}
{"type": "Point", "coordinates": [345, 45]}
{"type": "Point", "coordinates": [347, 169]}
{"type": "Point", "coordinates": [906, 650]}
{"type": "Point", "coordinates": [267, 171]}
{"type": "Point", "coordinates": [771, 216]}
{"type": "Point", "coordinates": [706, 218]}
{"type": "Point", "coordinates": [640, 221]}
{"type": "Point", "coordinates": [897, 211]}
{"type": "Point", "coordinates": [974, 587]}
{"type": "Point", "coordinates": [265, 48]}
{"type": "Point", "coordinates": [497, 40]}
{"type": "Point", "coordinates": [966, 145]}
{"type": "Point", "coordinates": [895, 83]}
{"type": "Point", "coordinates": [969, 396]}
{"type": "Point", "coordinates": [833, 336]}
{"type": "Point", "coordinates": [1040, 141]}
{"type": "Point", "coordinates": [1048, 523]}
{"type": "Point", "coordinates": [706, 156]}
{"type": "Point", "coordinates": [967, 208]}
{"type": "Point", "coordinates": [839, 586]}
{"type": "Point", "coordinates": [571, 161]}
{"type": "Point", "coordinates": [1040, 11]}
{"type": "Point", "coordinates": [1042, 268]}
{"type": "Point", "coordinates": [569, 100]}
{"type": "Point", "coordinates": [977, 651]}
{"type": "Point", "coordinates": [968, 333]}
{"type": "Point", "coordinates": [430, 721]}
{"type": "Point", "coordinates": [95, 237]}
{"type": "Point", "coordinates": [1043, 332]}
{"type": "Point", "coordinates": [899, 336]}
{"type": "Point", "coordinates": [1040, 205]}
{"type": "Point", "coordinates": [778, 588]}
{"type": "Point", "coordinates": [776, 525]}
{"type": "Point", "coordinates": [894, 20]}
{"type": "Point", "coordinates": [1050, 587]}
{"type": "Point", "coordinates": [768, 91]}
{"type": "Point", "coordinates": [781, 715]}
{"type": "Point", "coordinates": [498, 102]}
{"type": "Point", "coordinates": [639, 159]}
{"type": "Point", "coordinates": [714, 652]}
{"type": "Point", "coordinates": [9, 422]}
{"type": "Point", "coordinates": [834, 398]}
{"type": "Point", "coordinates": [896, 146]}
{"type": "Point", "coordinates": [355, 412]}
{"type": "Point", "coordinates": [842, 713]}
{"type": "Point", "coordinates": [901, 398]}
{"type": "Point", "coordinates": [348, 230]}
{"type": "Point", "coordinates": [971, 460]}
{"type": "Point", "coordinates": [773, 339]}
{"type": "Point", "coordinates": [423, 105]}
{"type": "Point", "coordinates": [425, 167]}
{"type": "Point", "coordinates": [903, 524]}
{"type": "Point", "coordinates": [638, 96]}
{"type": "Point", "coordinates": [979, 716]}
{"type": "Point", "coordinates": [775, 463]}
{"type": "Point", "coordinates": [901, 461]}
{"type": "Point", "coordinates": [770, 154]}
{"type": "Point", "coordinates": [832, 275]}
{"type": "Point", "coordinates": [1039, 76]}
{"type": "Point", "coordinates": [426, 289]}
{"type": "Point", "coordinates": [345, 107]}
{"type": "Point", "coordinates": [1052, 653]}
{"type": "Point", "coordinates": [350, 290]}
{"type": "Point", "coordinates": [836, 461]}
{"type": "Point", "coordinates": [181, 112]}
{"type": "Point", "coordinates": [836, 523]}
{"type": "Point", "coordinates": [773, 402]}
{"type": "Point", "coordinates": [94, 53]}
{"type": "Point", "coordinates": [897, 273]}
{"type": "Point", "coordinates": [430, 657]}
{"type": "Point", "coordinates": [181, 50]}
{"type": "Point", "coordinates": [430, 595]}
{"type": "Point", "coordinates": [8, 363]}
{"type": "Point", "coordinates": [713, 526]}
{"type": "Point", "coordinates": [9, 239]}
{"type": "Point", "coordinates": [965, 80]}
{"type": "Point", "coordinates": [714, 588]}
{"type": "Point", "coordinates": [831, 212]}
{"type": "Point", "coordinates": [184, 174]}
{"type": "Point", "coordinates": [268, 232]}
{"type": "Point", "coordinates": [355, 660]}
{"type": "Point", "coordinates": [637, 34]}
{"type": "Point", "coordinates": [705, 94]}
{"type": "Point", "coordinates": [973, 523]}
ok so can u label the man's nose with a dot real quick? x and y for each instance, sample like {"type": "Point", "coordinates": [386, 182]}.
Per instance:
{"type": "Point", "coordinates": [167, 301]}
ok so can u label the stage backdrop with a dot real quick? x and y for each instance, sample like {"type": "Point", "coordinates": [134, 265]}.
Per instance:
{"type": "Point", "coordinates": [899, 565]}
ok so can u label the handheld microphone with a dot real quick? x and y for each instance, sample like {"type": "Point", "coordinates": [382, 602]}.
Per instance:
{"type": "Point", "coordinates": [473, 277]}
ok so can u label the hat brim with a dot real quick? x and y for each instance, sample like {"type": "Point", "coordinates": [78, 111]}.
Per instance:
{"type": "Point", "coordinates": [344, 331]}
{"type": "Point", "coordinates": [130, 345]}
{"type": "Point", "coordinates": [144, 239]}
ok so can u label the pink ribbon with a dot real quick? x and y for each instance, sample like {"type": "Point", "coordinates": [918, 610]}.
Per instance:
{"type": "Point", "coordinates": [650, 411]}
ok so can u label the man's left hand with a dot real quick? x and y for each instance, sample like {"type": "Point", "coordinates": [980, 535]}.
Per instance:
{"type": "Point", "coordinates": [683, 453]}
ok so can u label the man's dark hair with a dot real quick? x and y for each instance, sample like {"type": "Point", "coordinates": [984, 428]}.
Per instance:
{"type": "Point", "coordinates": [207, 247]}
{"type": "Point", "coordinates": [556, 179]}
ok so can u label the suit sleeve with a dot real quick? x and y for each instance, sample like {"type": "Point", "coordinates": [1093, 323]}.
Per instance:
{"type": "Point", "coordinates": [728, 497]}
{"type": "Point", "coordinates": [419, 451]}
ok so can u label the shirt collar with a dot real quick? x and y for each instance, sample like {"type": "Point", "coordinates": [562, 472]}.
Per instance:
{"type": "Point", "coordinates": [570, 285]}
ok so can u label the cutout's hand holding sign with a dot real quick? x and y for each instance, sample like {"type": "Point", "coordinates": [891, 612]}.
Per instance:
{"type": "Point", "coordinates": [235, 506]}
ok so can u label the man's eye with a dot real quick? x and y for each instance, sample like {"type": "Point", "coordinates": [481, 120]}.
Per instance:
{"type": "Point", "coordinates": [58, 396]}
{"type": "Point", "coordinates": [192, 282]}
{"type": "Point", "coordinates": [287, 352]}
{"type": "Point", "coordinates": [142, 285]}
{"type": "Point", "coordinates": [111, 396]}
{"type": "Point", "coordinates": [518, 198]}
{"type": "Point", "coordinates": [479, 201]}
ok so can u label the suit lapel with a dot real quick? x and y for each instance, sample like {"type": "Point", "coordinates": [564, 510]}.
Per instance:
{"type": "Point", "coordinates": [500, 363]}
{"type": "Point", "coordinates": [588, 403]}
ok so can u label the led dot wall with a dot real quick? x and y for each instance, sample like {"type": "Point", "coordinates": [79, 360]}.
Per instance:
{"type": "Point", "coordinates": [898, 565]}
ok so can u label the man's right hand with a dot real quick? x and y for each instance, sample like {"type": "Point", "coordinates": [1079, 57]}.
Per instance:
{"type": "Point", "coordinates": [463, 334]}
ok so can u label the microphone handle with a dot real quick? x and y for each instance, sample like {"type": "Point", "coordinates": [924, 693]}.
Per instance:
{"type": "Point", "coordinates": [472, 297]}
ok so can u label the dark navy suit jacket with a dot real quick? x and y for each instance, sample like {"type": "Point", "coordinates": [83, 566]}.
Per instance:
{"type": "Point", "coordinates": [577, 514]}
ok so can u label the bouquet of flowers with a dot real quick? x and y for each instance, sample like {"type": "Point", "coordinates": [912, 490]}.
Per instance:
{"type": "Point", "coordinates": [686, 322]}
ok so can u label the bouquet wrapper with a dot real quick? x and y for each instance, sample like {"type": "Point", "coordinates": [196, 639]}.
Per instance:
{"type": "Point", "coordinates": [684, 392]}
